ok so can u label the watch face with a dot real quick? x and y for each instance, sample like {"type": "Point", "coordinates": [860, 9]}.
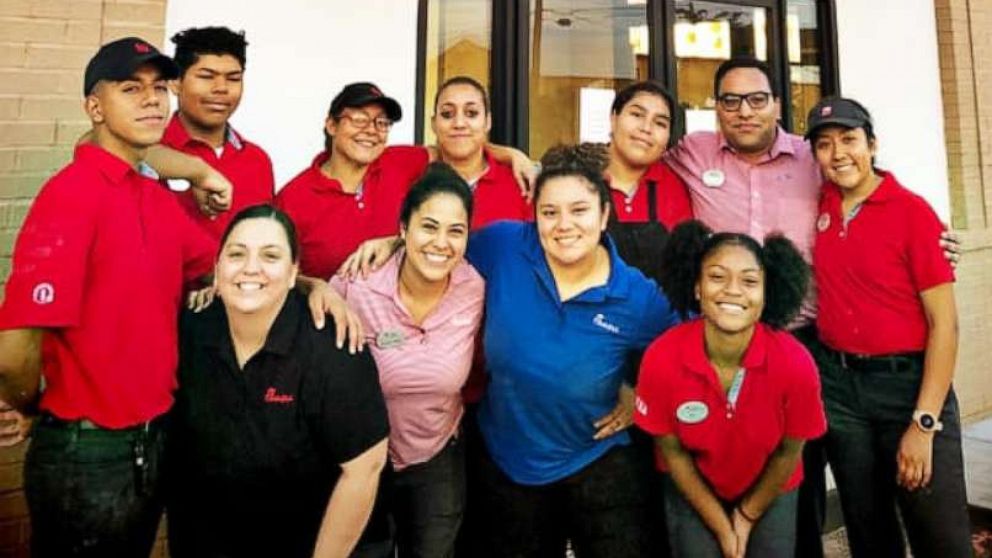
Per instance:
{"type": "Point", "coordinates": [927, 421]}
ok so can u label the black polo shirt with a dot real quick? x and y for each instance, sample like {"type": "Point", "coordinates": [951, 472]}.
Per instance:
{"type": "Point", "coordinates": [254, 453]}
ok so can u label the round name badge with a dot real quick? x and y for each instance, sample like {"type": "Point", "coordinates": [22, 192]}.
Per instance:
{"type": "Point", "coordinates": [389, 339]}
{"type": "Point", "coordinates": [692, 412]}
{"type": "Point", "coordinates": [823, 223]}
{"type": "Point", "coordinates": [714, 178]}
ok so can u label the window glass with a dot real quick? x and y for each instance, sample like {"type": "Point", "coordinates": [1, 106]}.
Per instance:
{"type": "Point", "coordinates": [458, 43]}
{"type": "Point", "coordinates": [581, 52]}
{"type": "Point", "coordinates": [804, 60]}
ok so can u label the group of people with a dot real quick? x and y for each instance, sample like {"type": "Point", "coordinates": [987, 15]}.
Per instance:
{"type": "Point", "coordinates": [621, 354]}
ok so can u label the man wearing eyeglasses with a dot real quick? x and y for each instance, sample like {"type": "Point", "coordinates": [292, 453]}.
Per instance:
{"type": "Point", "coordinates": [753, 177]}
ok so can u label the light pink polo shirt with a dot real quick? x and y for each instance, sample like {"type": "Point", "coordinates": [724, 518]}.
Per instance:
{"type": "Point", "coordinates": [421, 368]}
{"type": "Point", "coordinates": [778, 193]}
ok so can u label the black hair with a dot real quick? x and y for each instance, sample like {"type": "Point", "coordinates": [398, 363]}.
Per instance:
{"type": "Point", "coordinates": [787, 275]}
{"type": "Point", "coordinates": [583, 160]}
{"type": "Point", "coordinates": [650, 87]}
{"type": "Point", "coordinates": [266, 211]}
{"type": "Point", "coordinates": [193, 42]}
{"type": "Point", "coordinates": [744, 62]}
{"type": "Point", "coordinates": [463, 80]}
{"type": "Point", "coordinates": [439, 178]}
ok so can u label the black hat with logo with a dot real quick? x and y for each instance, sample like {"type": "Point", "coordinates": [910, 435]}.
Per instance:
{"type": "Point", "coordinates": [362, 93]}
{"type": "Point", "coordinates": [118, 60]}
{"type": "Point", "coordinates": [837, 111]}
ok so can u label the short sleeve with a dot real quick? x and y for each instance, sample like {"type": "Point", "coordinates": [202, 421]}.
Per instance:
{"type": "Point", "coordinates": [340, 285]}
{"type": "Point", "coordinates": [652, 407]}
{"type": "Point", "coordinates": [485, 245]}
{"type": "Point", "coordinates": [927, 265]}
{"type": "Point", "coordinates": [50, 260]}
{"type": "Point", "coordinates": [675, 206]}
{"type": "Point", "coordinates": [804, 415]}
{"type": "Point", "coordinates": [352, 413]}
{"type": "Point", "coordinates": [199, 248]}
{"type": "Point", "coordinates": [407, 161]}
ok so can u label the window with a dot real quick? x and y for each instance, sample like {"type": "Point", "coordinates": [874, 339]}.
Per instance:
{"type": "Point", "coordinates": [552, 65]}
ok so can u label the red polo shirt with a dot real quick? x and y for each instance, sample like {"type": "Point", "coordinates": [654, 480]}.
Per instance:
{"type": "Point", "coordinates": [496, 196]}
{"type": "Point", "coordinates": [679, 393]}
{"type": "Point", "coordinates": [672, 203]}
{"type": "Point", "coordinates": [331, 223]}
{"type": "Point", "coordinates": [100, 263]}
{"type": "Point", "coordinates": [869, 274]}
{"type": "Point", "coordinates": [245, 164]}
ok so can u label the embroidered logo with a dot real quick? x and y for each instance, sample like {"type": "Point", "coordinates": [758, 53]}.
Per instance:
{"type": "Point", "coordinates": [271, 396]}
{"type": "Point", "coordinates": [826, 111]}
{"type": "Point", "coordinates": [43, 293]}
{"type": "Point", "coordinates": [600, 321]}
{"type": "Point", "coordinates": [461, 321]}
{"type": "Point", "coordinates": [142, 48]}
{"type": "Point", "coordinates": [641, 406]}
{"type": "Point", "coordinates": [823, 223]}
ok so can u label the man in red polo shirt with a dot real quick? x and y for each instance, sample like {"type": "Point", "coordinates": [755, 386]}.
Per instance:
{"type": "Point", "coordinates": [91, 305]}
{"type": "Point", "coordinates": [211, 63]}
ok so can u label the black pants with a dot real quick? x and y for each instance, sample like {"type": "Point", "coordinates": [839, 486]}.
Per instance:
{"type": "Point", "coordinates": [811, 509]}
{"type": "Point", "coordinates": [868, 412]}
{"type": "Point", "coordinates": [428, 500]}
{"type": "Point", "coordinates": [87, 493]}
{"type": "Point", "coordinates": [601, 510]}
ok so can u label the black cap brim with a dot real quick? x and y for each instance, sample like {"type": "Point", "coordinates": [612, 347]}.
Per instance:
{"type": "Point", "coordinates": [831, 121]}
{"type": "Point", "coordinates": [166, 66]}
{"type": "Point", "coordinates": [392, 108]}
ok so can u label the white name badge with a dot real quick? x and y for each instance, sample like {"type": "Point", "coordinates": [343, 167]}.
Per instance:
{"type": "Point", "coordinates": [714, 178]}
{"type": "Point", "coordinates": [389, 339]}
{"type": "Point", "coordinates": [692, 412]}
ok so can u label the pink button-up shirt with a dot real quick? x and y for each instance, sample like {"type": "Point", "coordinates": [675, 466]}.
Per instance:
{"type": "Point", "coordinates": [779, 193]}
{"type": "Point", "coordinates": [421, 368]}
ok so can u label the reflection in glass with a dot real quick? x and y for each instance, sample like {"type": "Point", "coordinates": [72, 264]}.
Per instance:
{"type": "Point", "coordinates": [581, 51]}
{"type": "Point", "coordinates": [804, 60]}
{"type": "Point", "coordinates": [458, 43]}
{"type": "Point", "coordinates": [706, 34]}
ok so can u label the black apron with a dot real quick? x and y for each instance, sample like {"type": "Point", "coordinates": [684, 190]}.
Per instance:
{"type": "Point", "coordinates": [641, 244]}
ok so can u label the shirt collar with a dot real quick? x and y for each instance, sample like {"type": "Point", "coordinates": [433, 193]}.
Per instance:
{"type": "Point", "coordinates": [281, 335]}
{"type": "Point", "coordinates": [617, 285]}
{"type": "Point", "coordinates": [324, 184]}
{"type": "Point", "coordinates": [697, 361]}
{"type": "Point", "coordinates": [887, 188]}
{"type": "Point", "coordinates": [783, 144]}
{"type": "Point", "coordinates": [385, 281]}
{"type": "Point", "coordinates": [177, 135]}
{"type": "Point", "coordinates": [115, 169]}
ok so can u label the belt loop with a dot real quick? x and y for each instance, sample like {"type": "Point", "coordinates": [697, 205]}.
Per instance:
{"type": "Point", "coordinates": [843, 360]}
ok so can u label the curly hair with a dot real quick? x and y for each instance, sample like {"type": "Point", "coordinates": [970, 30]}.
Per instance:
{"type": "Point", "coordinates": [193, 42]}
{"type": "Point", "coordinates": [584, 160]}
{"type": "Point", "coordinates": [787, 275]}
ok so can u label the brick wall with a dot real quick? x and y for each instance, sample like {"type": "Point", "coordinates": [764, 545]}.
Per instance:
{"type": "Point", "coordinates": [44, 46]}
{"type": "Point", "coordinates": [965, 48]}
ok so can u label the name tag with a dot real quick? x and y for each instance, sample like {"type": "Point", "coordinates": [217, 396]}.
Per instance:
{"type": "Point", "coordinates": [714, 178]}
{"type": "Point", "coordinates": [389, 339]}
{"type": "Point", "coordinates": [692, 412]}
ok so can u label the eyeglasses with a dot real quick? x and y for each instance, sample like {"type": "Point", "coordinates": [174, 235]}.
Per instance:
{"type": "Point", "coordinates": [362, 121]}
{"type": "Point", "coordinates": [757, 100]}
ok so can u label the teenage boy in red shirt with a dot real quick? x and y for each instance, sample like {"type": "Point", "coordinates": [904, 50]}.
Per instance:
{"type": "Point", "coordinates": [91, 305]}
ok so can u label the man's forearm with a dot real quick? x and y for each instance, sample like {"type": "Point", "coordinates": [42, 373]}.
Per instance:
{"type": "Point", "coordinates": [20, 367]}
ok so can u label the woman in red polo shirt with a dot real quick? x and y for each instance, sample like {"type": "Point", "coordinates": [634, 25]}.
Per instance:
{"type": "Point", "coordinates": [730, 396]}
{"type": "Point", "coordinates": [887, 311]}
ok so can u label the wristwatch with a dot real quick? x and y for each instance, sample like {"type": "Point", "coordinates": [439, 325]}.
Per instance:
{"type": "Point", "coordinates": [927, 422]}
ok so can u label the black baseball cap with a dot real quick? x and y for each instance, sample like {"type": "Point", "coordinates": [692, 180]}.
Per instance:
{"type": "Point", "coordinates": [362, 93]}
{"type": "Point", "coordinates": [837, 111]}
{"type": "Point", "coordinates": [118, 60]}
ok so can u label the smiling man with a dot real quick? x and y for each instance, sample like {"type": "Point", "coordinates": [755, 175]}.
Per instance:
{"type": "Point", "coordinates": [91, 305]}
{"type": "Point", "coordinates": [211, 63]}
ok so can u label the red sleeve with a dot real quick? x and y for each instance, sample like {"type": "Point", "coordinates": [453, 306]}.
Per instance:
{"type": "Point", "coordinates": [674, 205]}
{"type": "Point", "coordinates": [408, 162]}
{"type": "Point", "coordinates": [199, 249]}
{"type": "Point", "coordinates": [927, 265]}
{"type": "Point", "coordinates": [51, 256]}
{"type": "Point", "coordinates": [652, 407]}
{"type": "Point", "coordinates": [804, 415]}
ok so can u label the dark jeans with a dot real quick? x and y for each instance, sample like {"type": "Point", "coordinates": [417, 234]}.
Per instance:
{"type": "Point", "coordinates": [869, 411]}
{"type": "Point", "coordinates": [601, 510]}
{"type": "Point", "coordinates": [773, 536]}
{"type": "Point", "coordinates": [811, 509]}
{"type": "Point", "coordinates": [87, 494]}
{"type": "Point", "coordinates": [428, 500]}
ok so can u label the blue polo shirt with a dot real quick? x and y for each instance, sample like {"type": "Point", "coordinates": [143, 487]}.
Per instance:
{"type": "Point", "coordinates": [555, 367]}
